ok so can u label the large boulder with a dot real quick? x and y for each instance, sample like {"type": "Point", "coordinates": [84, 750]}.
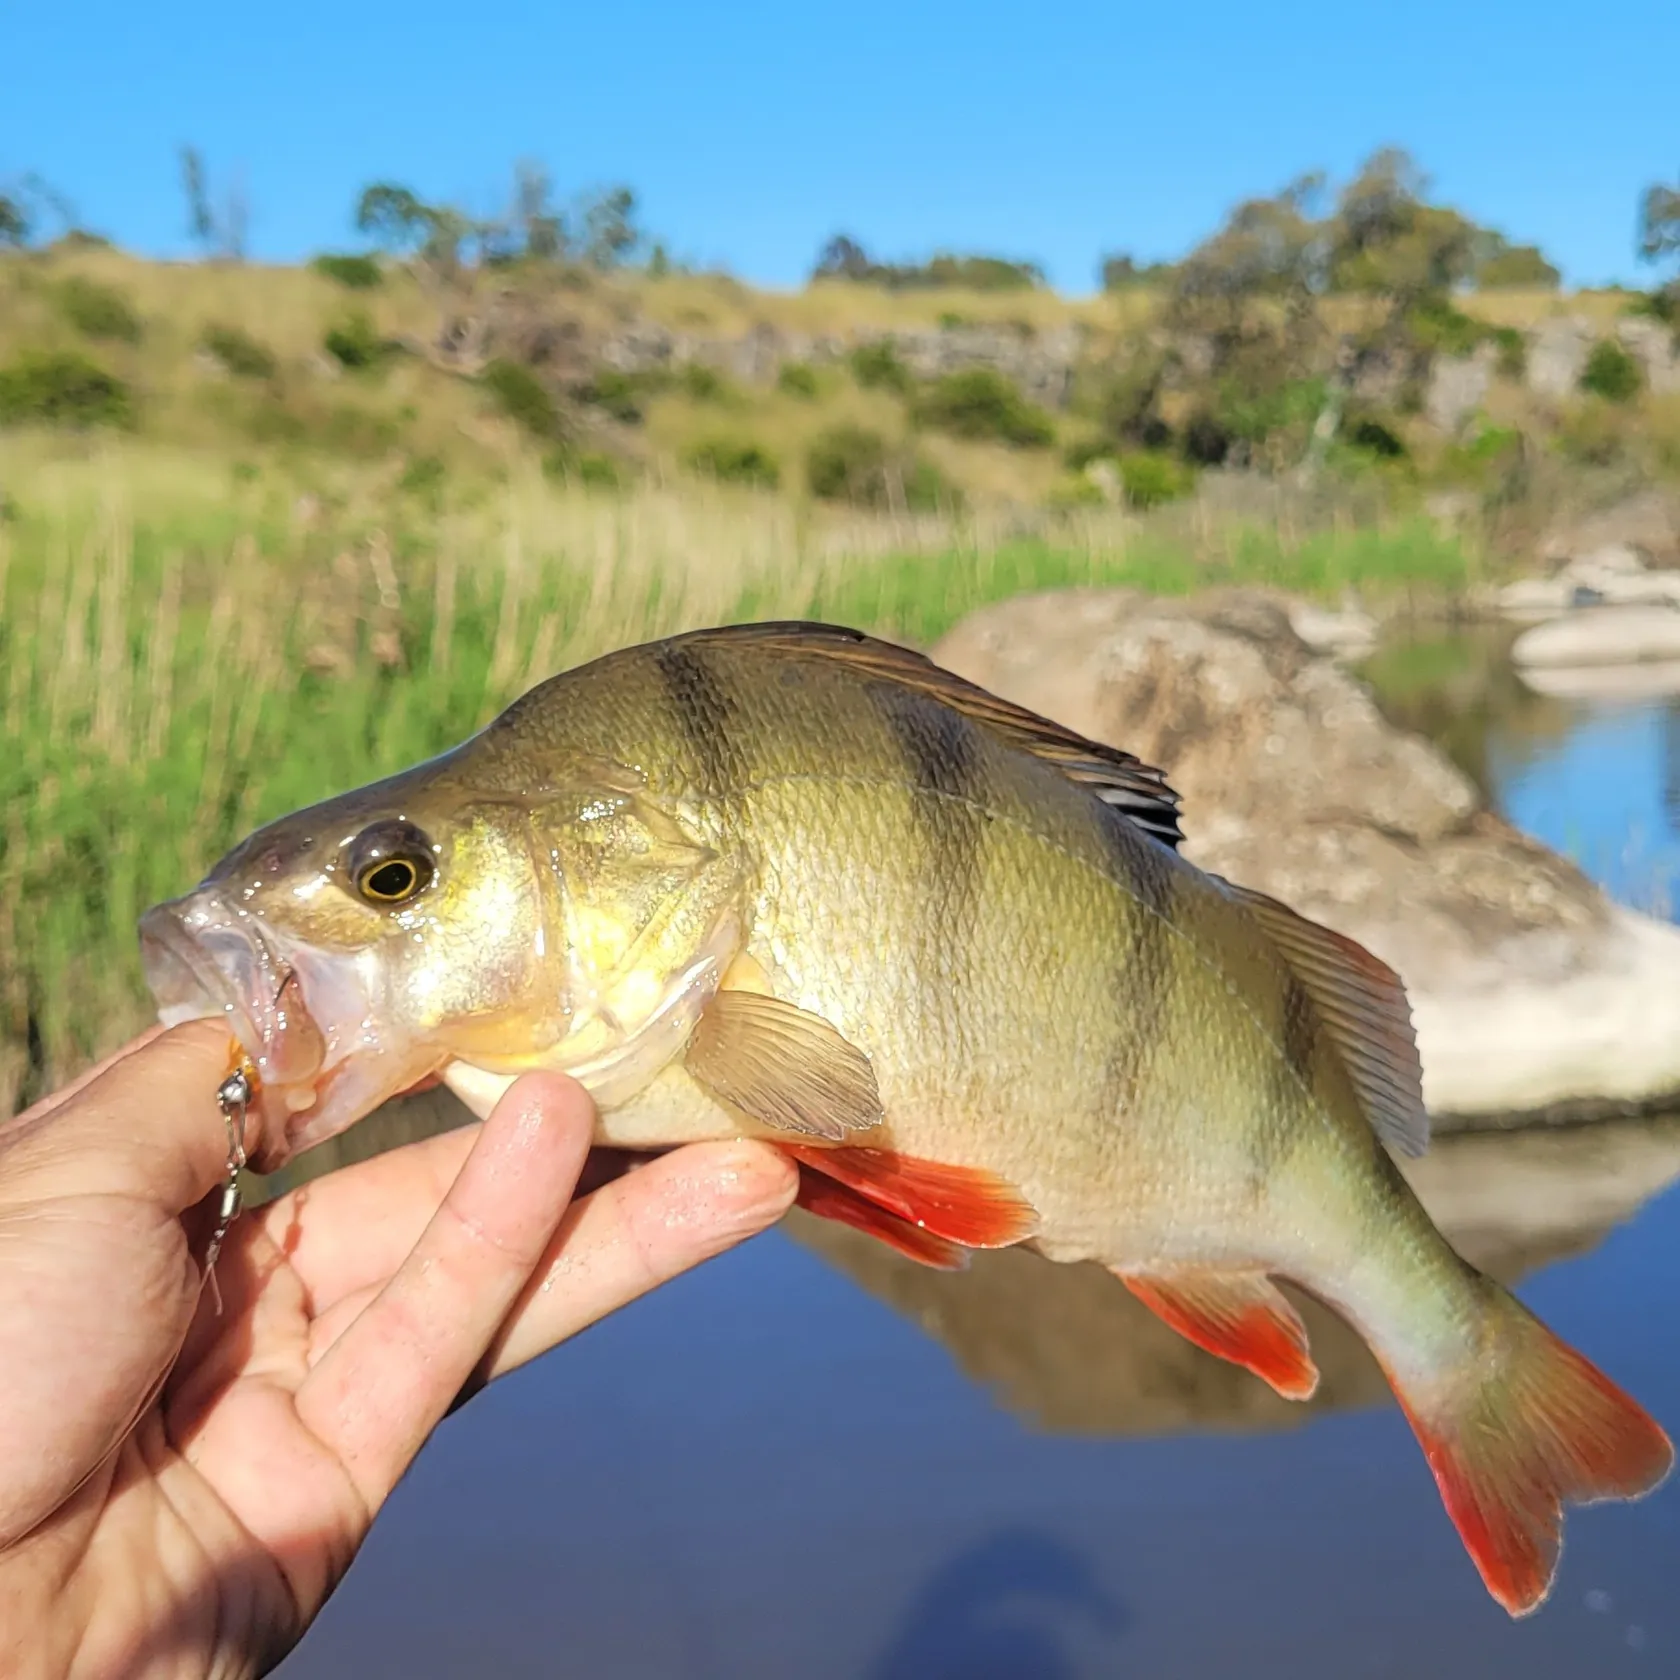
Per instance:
{"type": "Point", "coordinates": [1533, 995]}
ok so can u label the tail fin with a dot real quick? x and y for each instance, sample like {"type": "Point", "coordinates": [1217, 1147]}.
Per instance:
{"type": "Point", "coordinates": [1531, 1426]}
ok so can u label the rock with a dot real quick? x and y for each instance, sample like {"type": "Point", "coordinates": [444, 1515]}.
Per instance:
{"type": "Point", "coordinates": [1532, 994]}
{"type": "Point", "coordinates": [1647, 522]}
{"type": "Point", "coordinates": [1652, 345]}
{"type": "Point", "coordinates": [1458, 386]}
{"type": "Point", "coordinates": [1655, 679]}
{"type": "Point", "coordinates": [1349, 634]}
{"type": "Point", "coordinates": [1557, 354]}
{"type": "Point", "coordinates": [1607, 635]}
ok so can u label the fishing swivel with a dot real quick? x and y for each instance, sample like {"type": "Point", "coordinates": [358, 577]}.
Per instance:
{"type": "Point", "coordinates": [233, 1098]}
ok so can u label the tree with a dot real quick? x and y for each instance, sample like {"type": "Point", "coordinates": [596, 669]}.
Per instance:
{"type": "Point", "coordinates": [842, 258]}
{"type": "Point", "coordinates": [15, 225]}
{"type": "Point", "coordinates": [201, 223]}
{"type": "Point", "coordinates": [540, 230]}
{"type": "Point", "coordinates": [394, 218]}
{"type": "Point", "coordinates": [1659, 223]}
{"type": "Point", "coordinates": [610, 233]}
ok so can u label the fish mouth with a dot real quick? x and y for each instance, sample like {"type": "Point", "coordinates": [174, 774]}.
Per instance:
{"type": "Point", "coordinates": [300, 1015]}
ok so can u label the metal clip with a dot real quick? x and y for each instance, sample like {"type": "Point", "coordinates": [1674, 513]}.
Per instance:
{"type": "Point", "coordinates": [233, 1097]}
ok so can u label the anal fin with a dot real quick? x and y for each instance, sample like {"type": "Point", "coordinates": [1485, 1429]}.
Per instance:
{"type": "Point", "coordinates": [1241, 1316]}
{"type": "Point", "coordinates": [963, 1205]}
{"type": "Point", "coordinates": [829, 1199]}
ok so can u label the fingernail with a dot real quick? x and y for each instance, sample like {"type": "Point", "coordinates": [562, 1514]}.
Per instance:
{"type": "Point", "coordinates": [755, 1183]}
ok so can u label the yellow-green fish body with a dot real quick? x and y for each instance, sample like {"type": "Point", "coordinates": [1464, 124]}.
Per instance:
{"type": "Point", "coordinates": [784, 881]}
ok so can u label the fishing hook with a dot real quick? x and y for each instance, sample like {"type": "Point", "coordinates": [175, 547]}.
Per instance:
{"type": "Point", "coordinates": [233, 1098]}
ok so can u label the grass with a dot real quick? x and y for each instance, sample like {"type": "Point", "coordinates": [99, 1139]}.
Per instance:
{"type": "Point", "coordinates": [189, 648]}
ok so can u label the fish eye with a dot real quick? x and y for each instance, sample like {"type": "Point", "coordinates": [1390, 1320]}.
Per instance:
{"type": "Point", "coordinates": [391, 863]}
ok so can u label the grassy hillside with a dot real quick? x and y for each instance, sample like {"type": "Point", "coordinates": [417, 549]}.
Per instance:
{"type": "Point", "coordinates": [240, 570]}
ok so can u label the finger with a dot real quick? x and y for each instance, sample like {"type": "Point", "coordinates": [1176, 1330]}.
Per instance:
{"type": "Point", "coordinates": [146, 1126]}
{"type": "Point", "coordinates": [354, 1227]}
{"type": "Point", "coordinates": [638, 1232]}
{"type": "Point", "coordinates": [382, 1387]}
{"type": "Point", "coordinates": [86, 1077]}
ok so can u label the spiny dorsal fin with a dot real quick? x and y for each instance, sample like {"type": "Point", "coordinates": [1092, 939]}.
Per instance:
{"type": "Point", "coordinates": [1119, 779]}
{"type": "Point", "coordinates": [1362, 1003]}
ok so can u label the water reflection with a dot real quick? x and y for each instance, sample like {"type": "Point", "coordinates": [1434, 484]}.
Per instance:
{"type": "Point", "coordinates": [1022, 1605]}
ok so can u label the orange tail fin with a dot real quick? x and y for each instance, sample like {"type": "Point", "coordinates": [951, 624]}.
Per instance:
{"type": "Point", "coordinates": [1533, 1427]}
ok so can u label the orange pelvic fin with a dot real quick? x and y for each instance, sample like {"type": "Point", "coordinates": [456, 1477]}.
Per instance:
{"type": "Point", "coordinates": [1241, 1316]}
{"type": "Point", "coordinates": [1543, 1429]}
{"type": "Point", "coordinates": [964, 1205]}
{"type": "Point", "coordinates": [831, 1200]}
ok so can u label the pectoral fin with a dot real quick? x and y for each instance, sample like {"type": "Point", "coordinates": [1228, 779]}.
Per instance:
{"type": "Point", "coordinates": [1241, 1316]}
{"type": "Point", "coordinates": [784, 1066]}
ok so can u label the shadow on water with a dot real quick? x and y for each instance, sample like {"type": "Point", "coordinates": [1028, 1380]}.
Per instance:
{"type": "Point", "coordinates": [1010, 1608]}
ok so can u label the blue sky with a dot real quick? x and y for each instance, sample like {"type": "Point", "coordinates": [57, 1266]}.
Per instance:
{"type": "Point", "coordinates": [751, 132]}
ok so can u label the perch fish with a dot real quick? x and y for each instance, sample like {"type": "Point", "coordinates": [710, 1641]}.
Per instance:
{"type": "Point", "coordinates": [785, 881]}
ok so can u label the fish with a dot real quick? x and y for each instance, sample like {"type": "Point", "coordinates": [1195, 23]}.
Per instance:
{"type": "Point", "coordinates": [787, 881]}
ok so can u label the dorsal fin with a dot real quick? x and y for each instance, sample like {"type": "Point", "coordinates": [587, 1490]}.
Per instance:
{"type": "Point", "coordinates": [1119, 779]}
{"type": "Point", "coordinates": [1362, 1003]}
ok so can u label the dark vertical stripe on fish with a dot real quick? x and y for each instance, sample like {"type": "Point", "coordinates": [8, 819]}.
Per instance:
{"type": "Point", "coordinates": [1143, 976]}
{"type": "Point", "coordinates": [701, 709]}
{"type": "Point", "coordinates": [1293, 1084]}
{"type": "Point", "coordinates": [942, 754]}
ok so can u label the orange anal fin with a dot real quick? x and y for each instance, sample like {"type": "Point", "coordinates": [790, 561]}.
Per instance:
{"type": "Point", "coordinates": [1241, 1316]}
{"type": "Point", "coordinates": [964, 1205]}
{"type": "Point", "coordinates": [1544, 1430]}
{"type": "Point", "coordinates": [831, 1200]}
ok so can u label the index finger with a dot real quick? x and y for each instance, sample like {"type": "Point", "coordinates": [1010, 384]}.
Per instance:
{"type": "Point", "coordinates": [147, 1125]}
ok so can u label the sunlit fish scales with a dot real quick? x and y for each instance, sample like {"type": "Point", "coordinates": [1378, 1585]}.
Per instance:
{"type": "Point", "coordinates": [784, 881]}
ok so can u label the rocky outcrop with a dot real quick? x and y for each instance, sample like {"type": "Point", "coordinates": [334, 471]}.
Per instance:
{"type": "Point", "coordinates": [1557, 355]}
{"type": "Point", "coordinates": [1603, 635]}
{"type": "Point", "coordinates": [1533, 995]}
{"type": "Point", "coordinates": [1042, 364]}
{"type": "Point", "coordinates": [1653, 345]}
{"type": "Point", "coordinates": [1458, 386]}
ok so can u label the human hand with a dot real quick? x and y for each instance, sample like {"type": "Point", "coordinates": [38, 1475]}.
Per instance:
{"type": "Point", "coordinates": [203, 1539]}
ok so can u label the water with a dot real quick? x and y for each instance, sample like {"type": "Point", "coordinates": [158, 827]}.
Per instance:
{"type": "Point", "coordinates": [811, 1459]}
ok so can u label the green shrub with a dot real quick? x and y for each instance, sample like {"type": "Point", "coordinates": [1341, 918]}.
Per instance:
{"type": "Point", "coordinates": [1373, 437]}
{"type": "Point", "coordinates": [1436, 325]}
{"type": "Point", "coordinates": [355, 343]}
{"type": "Point", "coordinates": [735, 461]}
{"type": "Point", "coordinates": [522, 397]}
{"type": "Point", "coordinates": [1513, 352]}
{"type": "Point", "coordinates": [62, 388]}
{"type": "Point", "coordinates": [981, 403]}
{"type": "Point", "coordinates": [355, 272]}
{"type": "Point", "coordinates": [423, 476]}
{"type": "Point", "coordinates": [847, 463]}
{"type": "Point", "coordinates": [622, 395]}
{"type": "Point", "coordinates": [1611, 373]}
{"type": "Point", "coordinates": [98, 311]}
{"type": "Point", "coordinates": [1149, 479]}
{"type": "Point", "coordinates": [1596, 434]}
{"type": "Point", "coordinates": [876, 367]}
{"type": "Point", "coordinates": [591, 468]}
{"type": "Point", "coordinates": [700, 383]}
{"type": "Point", "coordinates": [1079, 454]}
{"type": "Point", "coordinates": [242, 355]}
{"type": "Point", "coordinates": [797, 379]}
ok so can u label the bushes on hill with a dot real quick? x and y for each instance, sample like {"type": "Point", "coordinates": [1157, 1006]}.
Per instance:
{"type": "Point", "coordinates": [1611, 372]}
{"type": "Point", "coordinates": [848, 463]}
{"type": "Point", "coordinates": [62, 388]}
{"type": "Point", "coordinates": [735, 461]}
{"type": "Point", "coordinates": [522, 397]}
{"type": "Point", "coordinates": [98, 311]}
{"type": "Point", "coordinates": [239, 353]}
{"type": "Point", "coordinates": [980, 403]}
{"type": "Point", "coordinates": [355, 272]}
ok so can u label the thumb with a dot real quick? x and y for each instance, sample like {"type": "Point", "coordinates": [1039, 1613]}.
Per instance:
{"type": "Point", "coordinates": [146, 1125]}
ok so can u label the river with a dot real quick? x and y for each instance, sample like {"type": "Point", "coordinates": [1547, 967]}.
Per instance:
{"type": "Point", "coordinates": [811, 1460]}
